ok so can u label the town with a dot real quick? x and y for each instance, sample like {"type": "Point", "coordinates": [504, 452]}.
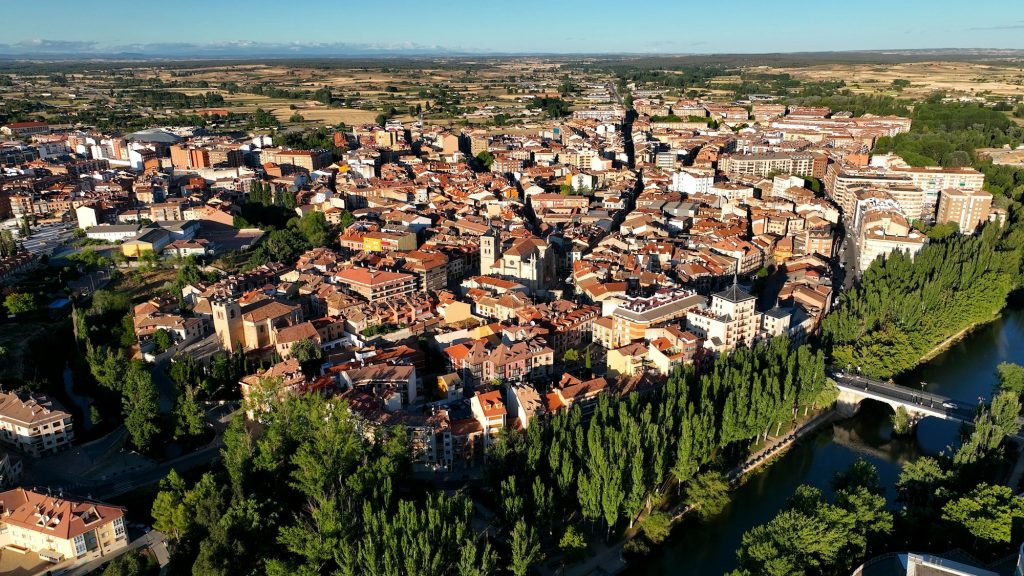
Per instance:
{"type": "Point", "coordinates": [559, 306]}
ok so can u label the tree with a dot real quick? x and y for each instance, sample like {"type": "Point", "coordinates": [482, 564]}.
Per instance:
{"type": "Point", "coordinates": [814, 536]}
{"type": "Point", "coordinates": [898, 311]}
{"type": "Point", "coordinates": [106, 366]}
{"type": "Point", "coordinates": [902, 424]}
{"type": "Point", "coordinates": [185, 371]}
{"type": "Point", "coordinates": [323, 96]}
{"type": "Point", "coordinates": [991, 427]}
{"type": "Point", "coordinates": [305, 350]}
{"type": "Point", "coordinates": [149, 260]}
{"type": "Point", "coordinates": [921, 482]}
{"type": "Point", "coordinates": [296, 117]}
{"type": "Point", "coordinates": [347, 219]}
{"type": "Point", "coordinates": [1005, 410]}
{"type": "Point", "coordinates": [8, 247]}
{"type": "Point", "coordinates": [170, 515]}
{"type": "Point", "coordinates": [943, 232]}
{"type": "Point", "coordinates": [987, 512]}
{"type": "Point", "coordinates": [20, 303]}
{"type": "Point", "coordinates": [571, 355]}
{"type": "Point", "coordinates": [140, 405]}
{"type": "Point", "coordinates": [105, 301]}
{"type": "Point", "coordinates": [279, 246]}
{"type": "Point", "coordinates": [861, 473]}
{"type": "Point", "coordinates": [313, 227]}
{"type": "Point", "coordinates": [132, 563]}
{"type": "Point", "coordinates": [263, 119]}
{"type": "Point", "coordinates": [865, 511]}
{"type": "Point", "coordinates": [512, 502]}
{"type": "Point", "coordinates": [708, 493]}
{"type": "Point", "coordinates": [162, 339]}
{"type": "Point", "coordinates": [572, 544]}
{"type": "Point", "coordinates": [188, 415]}
{"type": "Point", "coordinates": [525, 549]}
{"type": "Point", "coordinates": [1011, 378]}
{"type": "Point", "coordinates": [792, 543]}
{"type": "Point", "coordinates": [486, 159]}
{"type": "Point", "coordinates": [656, 526]}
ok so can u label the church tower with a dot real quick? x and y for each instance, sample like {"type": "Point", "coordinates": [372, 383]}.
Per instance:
{"type": "Point", "coordinates": [227, 322]}
{"type": "Point", "coordinates": [488, 251]}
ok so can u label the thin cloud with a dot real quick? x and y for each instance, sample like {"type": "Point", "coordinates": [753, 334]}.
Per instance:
{"type": "Point", "coordinates": [1018, 26]}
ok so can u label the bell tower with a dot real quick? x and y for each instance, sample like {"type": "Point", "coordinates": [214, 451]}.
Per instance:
{"type": "Point", "coordinates": [488, 251]}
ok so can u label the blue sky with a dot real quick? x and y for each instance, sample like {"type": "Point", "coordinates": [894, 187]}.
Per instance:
{"type": "Point", "coordinates": [563, 26]}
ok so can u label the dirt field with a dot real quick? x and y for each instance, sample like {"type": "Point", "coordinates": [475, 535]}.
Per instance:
{"type": "Point", "coordinates": [350, 116]}
{"type": "Point", "coordinates": [925, 77]}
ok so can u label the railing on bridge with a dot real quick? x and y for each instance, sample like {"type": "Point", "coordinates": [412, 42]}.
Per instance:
{"type": "Point", "coordinates": [912, 397]}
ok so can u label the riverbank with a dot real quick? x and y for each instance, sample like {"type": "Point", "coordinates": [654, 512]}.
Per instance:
{"type": "Point", "coordinates": [965, 369]}
{"type": "Point", "coordinates": [608, 560]}
{"type": "Point", "coordinates": [948, 342]}
{"type": "Point", "coordinates": [779, 447]}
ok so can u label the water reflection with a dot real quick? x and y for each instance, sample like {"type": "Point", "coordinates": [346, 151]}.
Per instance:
{"type": "Point", "coordinates": [964, 372]}
{"type": "Point", "coordinates": [702, 549]}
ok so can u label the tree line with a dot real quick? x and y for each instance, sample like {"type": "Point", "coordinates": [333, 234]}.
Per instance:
{"type": "Point", "coordinates": [948, 133]}
{"type": "Point", "coordinates": [904, 306]}
{"type": "Point", "coordinates": [303, 492]}
{"type": "Point", "coordinates": [603, 471]}
{"type": "Point", "coordinates": [165, 99]}
{"type": "Point", "coordinates": [942, 503]}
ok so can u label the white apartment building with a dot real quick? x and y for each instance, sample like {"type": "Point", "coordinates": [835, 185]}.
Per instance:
{"type": "Point", "coordinates": [782, 183]}
{"type": "Point", "coordinates": [729, 321]}
{"type": "Point", "coordinates": [56, 528]}
{"type": "Point", "coordinates": [876, 241]}
{"type": "Point", "coordinates": [34, 423]}
{"type": "Point", "coordinates": [694, 181]}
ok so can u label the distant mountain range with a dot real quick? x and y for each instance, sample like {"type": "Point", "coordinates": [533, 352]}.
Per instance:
{"type": "Point", "coordinates": [74, 50]}
{"type": "Point", "coordinates": [49, 49]}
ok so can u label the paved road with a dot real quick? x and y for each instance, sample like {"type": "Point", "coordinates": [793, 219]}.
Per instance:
{"type": "Point", "coordinates": [142, 471]}
{"type": "Point", "coordinates": [164, 385]}
{"type": "Point", "coordinates": [218, 416]}
{"type": "Point", "coordinates": [847, 257]}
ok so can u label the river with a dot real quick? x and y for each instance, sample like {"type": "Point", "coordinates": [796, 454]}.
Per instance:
{"type": "Point", "coordinates": [964, 372]}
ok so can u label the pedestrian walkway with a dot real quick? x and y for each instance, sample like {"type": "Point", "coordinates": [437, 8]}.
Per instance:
{"type": "Point", "coordinates": [778, 446]}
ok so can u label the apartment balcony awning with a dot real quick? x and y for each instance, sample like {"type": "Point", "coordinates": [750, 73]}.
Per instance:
{"type": "Point", "coordinates": [50, 555]}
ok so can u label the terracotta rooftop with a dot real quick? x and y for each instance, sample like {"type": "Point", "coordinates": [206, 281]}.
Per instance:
{"type": "Point", "coordinates": [54, 516]}
{"type": "Point", "coordinates": [30, 409]}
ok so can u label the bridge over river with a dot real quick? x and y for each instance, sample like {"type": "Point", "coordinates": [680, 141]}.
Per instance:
{"type": "Point", "coordinates": [854, 389]}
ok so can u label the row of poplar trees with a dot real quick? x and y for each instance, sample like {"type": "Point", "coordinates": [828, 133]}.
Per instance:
{"type": "Point", "coordinates": [903, 307]}
{"type": "Point", "coordinates": [606, 467]}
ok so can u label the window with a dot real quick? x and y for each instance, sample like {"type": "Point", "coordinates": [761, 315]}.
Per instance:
{"type": "Point", "coordinates": [119, 528]}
